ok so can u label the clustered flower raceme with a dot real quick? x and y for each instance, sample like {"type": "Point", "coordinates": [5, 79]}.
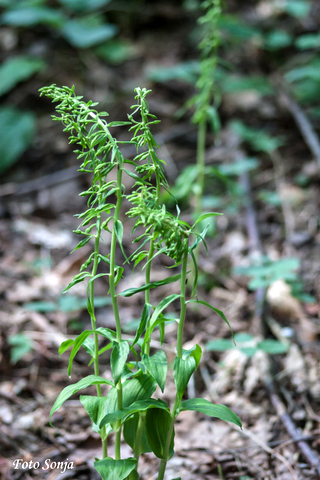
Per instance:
{"type": "Point", "coordinates": [167, 229]}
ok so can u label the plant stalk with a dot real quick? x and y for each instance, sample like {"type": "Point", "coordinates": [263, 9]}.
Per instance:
{"type": "Point", "coordinates": [115, 302]}
{"type": "Point", "coordinates": [177, 402]}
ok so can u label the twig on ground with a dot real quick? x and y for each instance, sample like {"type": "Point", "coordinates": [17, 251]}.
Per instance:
{"type": "Point", "coordinates": [302, 121]}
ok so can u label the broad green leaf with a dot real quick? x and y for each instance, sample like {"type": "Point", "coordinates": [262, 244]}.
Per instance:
{"type": "Point", "coordinates": [204, 216]}
{"type": "Point", "coordinates": [94, 406]}
{"type": "Point", "coordinates": [116, 51]}
{"type": "Point", "coordinates": [158, 424]}
{"type": "Point", "coordinates": [183, 369]}
{"type": "Point", "coordinates": [134, 475]}
{"type": "Point", "coordinates": [111, 469]}
{"type": "Point", "coordinates": [83, 34]}
{"type": "Point", "coordinates": [68, 391]}
{"type": "Point", "coordinates": [219, 312]}
{"type": "Point", "coordinates": [308, 41]}
{"type": "Point", "coordinates": [139, 406]}
{"type": "Point", "coordinates": [76, 346]}
{"type": "Point", "coordinates": [30, 16]}
{"type": "Point", "coordinates": [139, 388]}
{"type": "Point", "coordinates": [219, 345]}
{"type": "Point", "coordinates": [130, 433]}
{"type": "Point", "coordinates": [157, 366]}
{"type": "Point", "coordinates": [145, 315]}
{"type": "Point", "coordinates": [17, 69]}
{"type": "Point", "coordinates": [17, 131]}
{"type": "Point", "coordinates": [194, 352]}
{"type": "Point", "coordinates": [20, 346]}
{"type": "Point", "coordinates": [273, 347]}
{"type": "Point", "coordinates": [208, 408]}
{"type": "Point", "coordinates": [90, 347]}
{"type": "Point", "coordinates": [132, 291]}
{"type": "Point", "coordinates": [277, 39]}
{"type": "Point", "coordinates": [297, 8]}
{"type": "Point", "coordinates": [65, 345]}
{"type": "Point", "coordinates": [107, 333]}
{"type": "Point", "coordinates": [41, 306]}
{"type": "Point", "coordinates": [119, 355]}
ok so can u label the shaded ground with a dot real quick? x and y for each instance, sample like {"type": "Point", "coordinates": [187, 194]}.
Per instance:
{"type": "Point", "coordinates": [39, 198]}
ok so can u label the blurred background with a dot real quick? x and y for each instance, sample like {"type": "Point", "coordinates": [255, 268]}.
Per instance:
{"type": "Point", "coordinates": [262, 171]}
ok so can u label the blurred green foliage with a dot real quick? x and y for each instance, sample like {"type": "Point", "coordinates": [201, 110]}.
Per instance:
{"type": "Point", "coordinates": [247, 344]}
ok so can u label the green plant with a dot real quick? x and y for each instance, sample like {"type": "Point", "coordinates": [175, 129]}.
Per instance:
{"type": "Point", "coordinates": [248, 345]}
{"type": "Point", "coordinates": [147, 423]}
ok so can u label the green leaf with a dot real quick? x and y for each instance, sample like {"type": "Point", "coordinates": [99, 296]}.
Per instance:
{"type": "Point", "coordinates": [219, 312]}
{"type": "Point", "coordinates": [41, 306]}
{"type": "Point", "coordinates": [308, 41]}
{"type": "Point", "coordinates": [111, 469]}
{"type": "Point", "coordinates": [158, 423]}
{"type": "Point", "coordinates": [17, 69]}
{"type": "Point", "coordinates": [83, 34]}
{"type": "Point", "coordinates": [206, 407]}
{"type": "Point", "coordinates": [130, 433]}
{"type": "Point", "coordinates": [157, 366]}
{"type": "Point", "coordinates": [194, 352]}
{"type": "Point", "coordinates": [138, 388]}
{"type": "Point", "coordinates": [116, 51]}
{"type": "Point", "coordinates": [89, 346]}
{"type": "Point", "coordinates": [30, 16]}
{"type": "Point", "coordinates": [17, 131]}
{"type": "Point", "coordinates": [145, 315]}
{"type": "Point", "coordinates": [204, 216]}
{"type": "Point", "coordinates": [107, 333]}
{"type": "Point", "coordinates": [68, 391]}
{"type": "Point", "coordinates": [65, 345]}
{"type": "Point", "coordinates": [161, 306]}
{"type": "Point", "coordinates": [118, 360]}
{"type": "Point", "coordinates": [20, 346]}
{"type": "Point", "coordinates": [183, 369]}
{"type": "Point", "coordinates": [76, 346]}
{"type": "Point", "coordinates": [77, 279]}
{"type": "Point", "coordinates": [132, 291]}
{"type": "Point", "coordinates": [273, 347]}
{"type": "Point", "coordinates": [139, 406]}
{"type": "Point", "coordinates": [297, 8]}
{"type": "Point", "coordinates": [118, 228]}
{"type": "Point", "coordinates": [94, 406]}
{"type": "Point", "coordinates": [277, 39]}
{"type": "Point", "coordinates": [219, 345]}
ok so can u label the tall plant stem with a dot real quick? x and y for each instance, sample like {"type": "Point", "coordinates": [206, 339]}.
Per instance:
{"type": "Point", "coordinates": [115, 302]}
{"type": "Point", "coordinates": [93, 325]}
{"type": "Point", "coordinates": [201, 148]}
{"type": "Point", "coordinates": [151, 248]}
{"type": "Point", "coordinates": [163, 463]}
{"type": "Point", "coordinates": [183, 306]}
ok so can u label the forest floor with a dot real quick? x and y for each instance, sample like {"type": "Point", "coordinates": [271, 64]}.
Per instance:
{"type": "Point", "coordinates": [276, 395]}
